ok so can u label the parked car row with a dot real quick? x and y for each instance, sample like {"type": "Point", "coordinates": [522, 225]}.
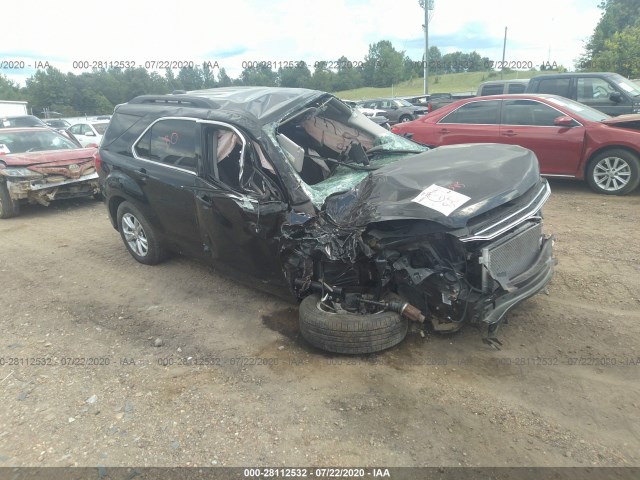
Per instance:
{"type": "Point", "coordinates": [569, 139]}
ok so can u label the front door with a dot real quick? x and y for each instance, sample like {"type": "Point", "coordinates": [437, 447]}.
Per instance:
{"type": "Point", "coordinates": [530, 124]}
{"type": "Point", "coordinates": [240, 208]}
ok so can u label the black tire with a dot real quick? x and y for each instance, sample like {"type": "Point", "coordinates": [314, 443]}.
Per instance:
{"type": "Point", "coordinates": [8, 207]}
{"type": "Point", "coordinates": [614, 172]}
{"type": "Point", "coordinates": [139, 236]}
{"type": "Point", "coordinates": [348, 332]}
{"type": "Point", "coordinates": [405, 118]}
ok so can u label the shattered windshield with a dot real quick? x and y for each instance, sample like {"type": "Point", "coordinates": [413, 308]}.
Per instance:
{"type": "Point", "coordinates": [331, 148]}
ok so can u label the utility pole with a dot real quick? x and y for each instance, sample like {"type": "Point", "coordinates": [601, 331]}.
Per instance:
{"type": "Point", "coordinates": [427, 5]}
{"type": "Point", "coordinates": [504, 48]}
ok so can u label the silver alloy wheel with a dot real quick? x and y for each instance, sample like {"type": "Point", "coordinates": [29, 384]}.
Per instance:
{"type": "Point", "coordinates": [134, 234]}
{"type": "Point", "coordinates": [612, 173]}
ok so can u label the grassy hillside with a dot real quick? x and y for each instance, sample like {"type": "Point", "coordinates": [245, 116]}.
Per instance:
{"type": "Point", "coordinates": [451, 83]}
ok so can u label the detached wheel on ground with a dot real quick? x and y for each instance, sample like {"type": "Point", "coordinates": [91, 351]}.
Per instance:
{"type": "Point", "coordinates": [139, 236]}
{"type": "Point", "coordinates": [8, 207]}
{"type": "Point", "coordinates": [614, 172]}
{"type": "Point", "coordinates": [349, 332]}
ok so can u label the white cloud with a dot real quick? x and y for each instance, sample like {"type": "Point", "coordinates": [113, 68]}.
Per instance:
{"type": "Point", "coordinates": [283, 30]}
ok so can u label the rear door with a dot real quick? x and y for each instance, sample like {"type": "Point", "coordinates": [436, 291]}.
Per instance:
{"type": "Point", "coordinates": [168, 153]}
{"type": "Point", "coordinates": [529, 123]}
{"type": "Point", "coordinates": [473, 122]}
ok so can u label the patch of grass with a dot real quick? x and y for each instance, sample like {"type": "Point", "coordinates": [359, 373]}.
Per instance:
{"type": "Point", "coordinates": [449, 83]}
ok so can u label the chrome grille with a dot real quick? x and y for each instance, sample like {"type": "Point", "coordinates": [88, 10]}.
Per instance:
{"type": "Point", "coordinates": [532, 209]}
{"type": "Point", "coordinates": [513, 254]}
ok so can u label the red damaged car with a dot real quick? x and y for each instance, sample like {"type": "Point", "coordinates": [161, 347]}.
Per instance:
{"type": "Point", "coordinates": [38, 165]}
{"type": "Point", "coordinates": [570, 139]}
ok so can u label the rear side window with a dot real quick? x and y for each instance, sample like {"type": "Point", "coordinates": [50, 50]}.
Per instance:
{"type": "Point", "coordinates": [492, 89]}
{"type": "Point", "coordinates": [554, 86]}
{"type": "Point", "coordinates": [528, 112]}
{"type": "Point", "coordinates": [516, 88]}
{"type": "Point", "coordinates": [482, 112]}
{"type": "Point", "coordinates": [170, 142]}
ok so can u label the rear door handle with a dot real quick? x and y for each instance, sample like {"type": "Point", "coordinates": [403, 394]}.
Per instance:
{"type": "Point", "coordinates": [444, 130]}
{"type": "Point", "coordinates": [509, 133]}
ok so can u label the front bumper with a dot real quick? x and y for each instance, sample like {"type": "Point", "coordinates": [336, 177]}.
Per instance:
{"type": "Point", "coordinates": [43, 192]}
{"type": "Point", "coordinates": [491, 310]}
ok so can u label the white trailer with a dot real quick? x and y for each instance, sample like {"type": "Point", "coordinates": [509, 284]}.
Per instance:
{"type": "Point", "coordinates": [10, 108]}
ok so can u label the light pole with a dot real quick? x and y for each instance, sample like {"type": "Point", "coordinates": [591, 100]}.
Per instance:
{"type": "Point", "coordinates": [427, 5]}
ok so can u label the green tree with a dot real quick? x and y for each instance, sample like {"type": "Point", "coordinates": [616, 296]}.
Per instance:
{"type": "Point", "coordinates": [48, 89]}
{"type": "Point", "coordinates": [348, 75]}
{"type": "Point", "coordinates": [383, 65]}
{"type": "Point", "coordinates": [299, 77]}
{"type": "Point", "coordinates": [261, 75]}
{"type": "Point", "coordinates": [223, 79]}
{"type": "Point", "coordinates": [208, 77]}
{"type": "Point", "coordinates": [323, 78]}
{"type": "Point", "coordinates": [172, 82]}
{"type": "Point", "coordinates": [9, 90]}
{"type": "Point", "coordinates": [615, 31]}
{"type": "Point", "coordinates": [191, 78]}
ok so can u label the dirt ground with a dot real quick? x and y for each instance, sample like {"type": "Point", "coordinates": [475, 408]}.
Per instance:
{"type": "Point", "coordinates": [233, 383]}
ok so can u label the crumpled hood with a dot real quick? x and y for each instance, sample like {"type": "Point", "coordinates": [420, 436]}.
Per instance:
{"type": "Point", "coordinates": [488, 174]}
{"type": "Point", "coordinates": [631, 120]}
{"type": "Point", "coordinates": [49, 157]}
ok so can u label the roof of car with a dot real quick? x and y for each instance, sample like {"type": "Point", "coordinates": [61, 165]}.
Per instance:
{"type": "Point", "coordinates": [502, 82]}
{"type": "Point", "coordinates": [264, 103]}
{"type": "Point", "coordinates": [580, 74]}
{"type": "Point", "coordinates": [514, 96]}
{"type": "Point", "coordinates": [26, 129]}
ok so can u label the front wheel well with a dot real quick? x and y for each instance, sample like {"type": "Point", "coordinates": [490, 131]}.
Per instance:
{"type": "Point", "coordinates": [114, 204]}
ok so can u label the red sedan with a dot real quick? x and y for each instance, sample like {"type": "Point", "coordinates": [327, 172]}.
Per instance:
{"type": "Point", "coordinates": [38, 165]}
{"type": "Point", "coordinates": [570, 139]}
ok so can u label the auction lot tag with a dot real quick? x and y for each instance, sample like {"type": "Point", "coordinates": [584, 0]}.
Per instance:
{"type": "Point", "coordinates": [441, 199]}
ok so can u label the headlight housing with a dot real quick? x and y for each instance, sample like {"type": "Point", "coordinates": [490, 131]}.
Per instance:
{"type": "Point", "coordinates": [19, 172]}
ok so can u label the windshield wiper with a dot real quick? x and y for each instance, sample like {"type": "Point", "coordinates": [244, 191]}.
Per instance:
{"type": "Point", "coordinates": [392, 151]}
{"type": "Point", "coordinates": [380, 148]}
{"type": "Point", "coordinates": [353, 166]}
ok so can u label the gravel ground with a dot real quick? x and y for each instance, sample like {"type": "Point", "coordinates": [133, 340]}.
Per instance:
{"type": "Point", "coordinates": [106, 362]}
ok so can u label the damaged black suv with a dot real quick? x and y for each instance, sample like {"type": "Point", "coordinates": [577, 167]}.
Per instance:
{"type": "Point", "coordinates": [297, 192]}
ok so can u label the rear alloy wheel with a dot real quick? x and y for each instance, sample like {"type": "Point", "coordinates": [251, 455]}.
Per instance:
{"type": "Point", "coordinates": [350, 333]}
{"type": "Point", "coordinates": [8, 207]}
{"type": "Point", "coordinates": [139, 236]}
{"type": "Point", "coordinates": [614, 172]}
{"type": "Point", "coordinates": [405, 118]}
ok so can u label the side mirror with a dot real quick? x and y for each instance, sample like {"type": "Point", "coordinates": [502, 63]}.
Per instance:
{"type": "Point", "coordinates": [563, 121]}
{"type": "Point", "coordinates": [615, 97]}
{"type": "Point", "coordinates": [394, 107]}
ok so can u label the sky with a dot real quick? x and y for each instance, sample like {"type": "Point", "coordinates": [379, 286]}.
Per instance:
{"type": "Point", "coordinates": [72, 34]}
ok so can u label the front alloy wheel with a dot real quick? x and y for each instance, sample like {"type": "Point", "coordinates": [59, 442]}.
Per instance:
{"type": "Point", "coordinates": [614, 172]}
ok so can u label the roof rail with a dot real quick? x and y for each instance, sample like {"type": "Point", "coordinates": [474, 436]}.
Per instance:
{"type": "Point", "coordinates": [181, 100]}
